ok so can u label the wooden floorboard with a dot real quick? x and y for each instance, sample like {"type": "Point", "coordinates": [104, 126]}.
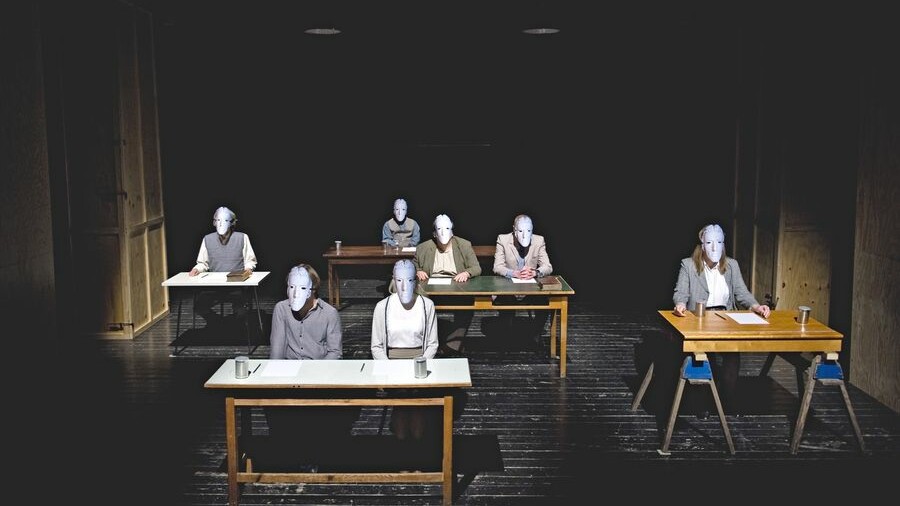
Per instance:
{"type": "Point", "coordinates": [525, 436]}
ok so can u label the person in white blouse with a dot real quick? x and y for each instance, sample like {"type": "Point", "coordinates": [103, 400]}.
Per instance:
{"type": "Point", "coordinates": [711, 277]}
{"type": "Point", "coordinates": [404, 326]}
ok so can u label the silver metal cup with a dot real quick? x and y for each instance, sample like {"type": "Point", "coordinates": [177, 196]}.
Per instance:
{"type": "Point", "coordinates": [700, 309]}
{"type": "Point", "coordinates": [241, 367]}
{"type": "Point", "coordinates": [421, 367]}
{"type": "Point", "coordinates": [803, 314]}
{"type": "Point", "coordinates": [337, 247]}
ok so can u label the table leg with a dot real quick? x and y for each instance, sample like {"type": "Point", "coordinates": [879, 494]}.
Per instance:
{"type": "Point", "coordinates": [447, 461]}
{"type": "Point", "coordinates": [337, 289]}
{"type": "Point", "coordinates": [643, 389]}
{"type": "Point", "coordinates": [178, 322]}
{"type": "Point", "coordinates": [250, 347]}
{"type": "Point", "coordinates": [715, 394]}
{"type": "Point", "coordinates": [676, 403]}
{"type": "Point", "coordinates": [553, 329]}
{"type": "Point", "coordinates": [862, 446]}
{"type": "Point", "coordinates": [331, 284]}
{"type": "Point", "coordinates": [563, 330]}
{"type": "Point", "coordinates": [231, 451]}
{"type": "Point", "coordinates": [804, 405]}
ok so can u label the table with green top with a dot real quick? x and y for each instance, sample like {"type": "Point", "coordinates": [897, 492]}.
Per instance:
{"type": "Point", "coordinates": [482, 289]}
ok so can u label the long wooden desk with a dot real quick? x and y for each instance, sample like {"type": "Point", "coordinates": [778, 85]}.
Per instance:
{"type": "Point", "coordinates": [715, 332]}
{"type": "Point", "coordinates": [483, 288]}
{"type": "Point", "coordinates": [215, 280]}
{"type": "Point", "coordinates": [344, 377]}
{"type": "Point", "coordinates": [373, 255]}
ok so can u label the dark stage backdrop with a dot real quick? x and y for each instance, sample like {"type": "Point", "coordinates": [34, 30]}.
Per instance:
{"type": "Point", "coordinates": [620, 145]}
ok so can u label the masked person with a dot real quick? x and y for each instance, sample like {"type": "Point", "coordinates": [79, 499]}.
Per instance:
{"type": "Point", "coordinates": [224, 250]}
{"type": "Point", "coordinates": [449, 256]}
{"type": "Point", "coordinates": [305, 327]}
{"type": "Point", "coordinates": [404, 325]}
{"type": "Point", "coordinates": [522, 254]}
{"type": "Point", "coordinates": [711, 277]}
{"type": "Point", "coordinates": [401, 230]}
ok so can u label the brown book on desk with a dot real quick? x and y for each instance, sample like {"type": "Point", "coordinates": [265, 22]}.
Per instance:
{"type": "Point", "coordinates": [237, 276]}
{"type": "Point", "coordinates": [549, 283]}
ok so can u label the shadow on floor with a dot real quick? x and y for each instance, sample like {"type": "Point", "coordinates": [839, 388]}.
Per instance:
{"type": "Point", "coordinates": [223, 331]}
{"type": "Point", "coordinates": [472, 454]}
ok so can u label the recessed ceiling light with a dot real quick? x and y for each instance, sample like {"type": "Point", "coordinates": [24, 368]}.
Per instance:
{"type": "Point", "coordinates": [322, 31]}
{"type": "Point", "coordinates": [540, 31]}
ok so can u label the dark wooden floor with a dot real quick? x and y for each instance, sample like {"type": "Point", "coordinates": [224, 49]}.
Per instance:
{"type": "Point", "coordinates": [145, 431]}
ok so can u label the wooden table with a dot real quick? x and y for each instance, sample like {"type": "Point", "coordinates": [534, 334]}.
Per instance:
{"type": "Point", "coordinates": [715, 332]}
{"type": "Point", "coordinates": [373, 255]}
{"type": "Point", "coordinates": [344, 377]}
{"type": "Point", "coordinates": [208, 280]}
{"type": "Point", "coordinates": [483, 288]}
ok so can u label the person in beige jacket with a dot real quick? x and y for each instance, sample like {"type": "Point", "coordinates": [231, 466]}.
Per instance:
{"type": "Point", "coordinates": [522, 254]}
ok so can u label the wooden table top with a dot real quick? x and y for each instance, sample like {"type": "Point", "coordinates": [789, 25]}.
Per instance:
{"type": "Point", "coordinates": [342, 374]}
{"type": "Point", "coordinates": [378, 251]}
{"type": "Point", "coordinates": [716, 332]}
{"type": "Point", "coordinates": [495, 285]}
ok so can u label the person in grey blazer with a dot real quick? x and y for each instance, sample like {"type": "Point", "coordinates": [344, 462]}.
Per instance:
{"type": "Point", "coordinates": [522, 254]}
{"type": "Point", "coordinates": [448, 256]}
{"type": "Point", "coordinates": [711, 277]}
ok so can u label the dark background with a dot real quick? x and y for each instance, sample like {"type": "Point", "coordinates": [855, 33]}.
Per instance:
{"type": "Point", "coordinates": [617, 134]}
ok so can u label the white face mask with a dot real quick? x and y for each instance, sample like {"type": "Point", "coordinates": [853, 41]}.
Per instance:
{"type": "Point", "coordinates": [223, 220]}
{"type": "Point", "coordinates": [405, 282]}
{"type": "Point", "coordinates": [523, 231]}
{"type": "Point", "coordinates": [713, 242]}
{"type": "Point", "coordinates": [400, 210]}
{"type": "Point", "coordinates": [443, 229]}
{"type": "Point", "coordinates": [299, 288]}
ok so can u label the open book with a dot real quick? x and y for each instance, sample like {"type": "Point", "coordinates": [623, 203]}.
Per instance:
{"type": "Point", "coordinates": [549, 283]}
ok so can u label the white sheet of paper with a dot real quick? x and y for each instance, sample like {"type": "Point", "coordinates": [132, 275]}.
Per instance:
{"type": "Point", "coordinates": [281, 368]}
{"type": "Point", "coordinates": [393, 367]}
{"type": "Point", "coordinates": [409, 249]}
{"type": "Point", "coordinates": [747, 318]}
{"type": "Point", "coordinates": [517, 280]}
{"type": "Point", "coordinates": [439, 281]}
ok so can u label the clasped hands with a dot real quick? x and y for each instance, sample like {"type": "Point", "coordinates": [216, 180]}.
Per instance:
{"type": "Point", "coordinates": [462, 277]}
{"type": "Point", "coordinates": [525, 273]}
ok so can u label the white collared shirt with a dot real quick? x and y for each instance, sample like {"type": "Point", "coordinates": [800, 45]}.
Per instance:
{"type": "Point", "coordinates": [718, 289]}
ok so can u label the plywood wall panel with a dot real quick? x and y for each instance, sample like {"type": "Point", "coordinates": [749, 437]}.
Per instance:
{"type": "Point", "coordinates": [875, 357]}
{"type": "Point", "coordinates": [139, 284]}
{"type": "Point", "coordinates": [804, 272]}
{"type": "Point", "coordinates": [150, 154]}
{"type": "Point", "coordinates": [129, 117]}
{"type": "Point", "coordinates": [99, 272]}
{"type": "Point", "coordinates": [157, 270]}
{"type": "Point", "coordinates": [876, 323]}
{"type": "Point", "coordinates": [763, 267]}
{"type": "Point", "coordinates": [89, 91]}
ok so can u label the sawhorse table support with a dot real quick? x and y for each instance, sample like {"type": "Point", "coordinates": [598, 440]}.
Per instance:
{"type": "Point", "coordinates": [828, 373]}
{"type": "Point", "coordinates": [696, 371]}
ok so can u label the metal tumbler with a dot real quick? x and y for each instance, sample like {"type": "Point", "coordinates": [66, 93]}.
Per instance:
{"type": "Point", "coordinates": [803, 314]}
{"type": "Point", "coordinates": [241, 367]}
{"type": "Point", "coordinates": [421, 367]}
{"type": "Point", "coordinates": [700, 309]}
